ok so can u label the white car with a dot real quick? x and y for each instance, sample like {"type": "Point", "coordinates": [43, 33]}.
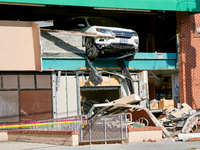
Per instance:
{"type": "Point", "coordinates": [121, 41]}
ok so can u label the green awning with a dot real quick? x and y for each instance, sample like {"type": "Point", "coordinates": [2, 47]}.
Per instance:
{"type": "Point", "coordinates": [165, 5]}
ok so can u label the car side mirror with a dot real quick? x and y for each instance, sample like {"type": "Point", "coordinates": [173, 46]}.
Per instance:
{"type": "Point", "coordinates": [81, 25]}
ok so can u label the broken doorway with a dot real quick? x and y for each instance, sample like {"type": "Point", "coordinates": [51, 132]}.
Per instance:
{"type": "Point", "coordinates": [96, 95]}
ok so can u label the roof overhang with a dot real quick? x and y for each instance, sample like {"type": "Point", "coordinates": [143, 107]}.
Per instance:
{"type": "Point", "coordinates": [165, 5]}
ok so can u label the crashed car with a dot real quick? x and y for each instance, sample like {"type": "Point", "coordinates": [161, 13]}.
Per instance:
{"type": "Point", "coordinates": [113, 38]}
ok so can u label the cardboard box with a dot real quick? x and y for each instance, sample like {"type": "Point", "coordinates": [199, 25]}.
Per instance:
{"type": "Point", "coordinates": [165, 102]}
{"type": "Point", "coordinates": [153, 105]}
{"type": "Point", "coordinates": [169, 104]}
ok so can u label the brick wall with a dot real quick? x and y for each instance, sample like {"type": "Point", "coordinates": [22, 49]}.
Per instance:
{"type": "Point", "coordinates": [189, 58]}
{"type": "Point", "coordinates": [142, 113]}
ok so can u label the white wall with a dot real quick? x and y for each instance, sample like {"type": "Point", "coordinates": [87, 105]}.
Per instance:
{"type": "Point", "coordinates": [65, 101]}
{"type": "Point", "coordinates": [61, 99]}
{"type": "Point", "coordinates": [72, 95]}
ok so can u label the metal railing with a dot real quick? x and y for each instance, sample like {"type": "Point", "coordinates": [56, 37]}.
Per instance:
{"type": "Point", "coordinates": [107, 128]}
{"type": "Point", "coordinates": [73, 123]}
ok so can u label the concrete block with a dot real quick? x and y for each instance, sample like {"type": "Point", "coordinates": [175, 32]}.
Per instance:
{"type": "Point", "coordinates": [141, 135]}
{"type": "Point", "coordinates": [3, 136]}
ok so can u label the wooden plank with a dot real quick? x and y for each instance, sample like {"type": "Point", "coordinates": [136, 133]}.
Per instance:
{"type": "Point", "coordinates": [105, 82]}
{"type": "Point", "coordinates": [194, 139]}
{"type": "Point", "coordinates": [77, 33]}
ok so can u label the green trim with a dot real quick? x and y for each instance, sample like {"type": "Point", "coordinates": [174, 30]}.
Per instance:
{"type": "Point", "coordinates": [142, 61]}
{"type": "Point", "coordinates": [171, 5]}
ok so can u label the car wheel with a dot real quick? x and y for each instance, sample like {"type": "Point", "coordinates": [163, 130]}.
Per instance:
{"type": "Point", "coordinates": [91, 49]}
{"type": "Point", "coordinates": [129, 58]}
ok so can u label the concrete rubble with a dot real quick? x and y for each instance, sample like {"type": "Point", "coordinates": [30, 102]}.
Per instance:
{"type": "Point", "coordinates": [181, 123]}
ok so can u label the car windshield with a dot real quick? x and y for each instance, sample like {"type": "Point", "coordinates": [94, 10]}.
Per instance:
{"type": "Point", "coordinates": [102, 22]}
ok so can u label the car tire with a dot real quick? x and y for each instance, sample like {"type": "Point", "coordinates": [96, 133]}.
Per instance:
{"type": "Point", "coordinates": [91, 49]}
{"type": "Point", "coordinates": [129, 58]}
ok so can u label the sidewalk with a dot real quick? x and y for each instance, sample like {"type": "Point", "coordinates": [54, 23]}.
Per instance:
{"type": "Point", "coordinates": [166, 144]}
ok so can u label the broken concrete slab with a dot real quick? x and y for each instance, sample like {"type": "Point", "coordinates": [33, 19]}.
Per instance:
{"type": "Point", "coordinates": [153, 121]}
{"type": "Point", "coordinates": [131, 99]}
{"type": "Point", "coordinates": [186, 137]}
{"type": "Point", "coordinates": [185, 109]}
{"type": "Point", "coordinates": [190, 123]}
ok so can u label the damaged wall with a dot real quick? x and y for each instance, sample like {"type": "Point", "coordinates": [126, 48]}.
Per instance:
{"type": "Point", "coordinates": [189, 56]}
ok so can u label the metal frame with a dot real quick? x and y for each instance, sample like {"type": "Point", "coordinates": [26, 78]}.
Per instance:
{"type": "Point", "coordinates": [78, 95]}
{"type": "Point", "coordinates": [123, 126]}
{"type": "Point", "coordinates": [54, 95]}
{"type": "Point", "coordinates": [106, 107]}
{"type": "Point", "coordinates": [76, 126]}
{"type": "Point", "coordinates": [66, 94]}
{"type": "Point", "coordinates": [18, 82]}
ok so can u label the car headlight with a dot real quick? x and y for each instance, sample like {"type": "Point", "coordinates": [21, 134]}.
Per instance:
{"type": "Point", "coordinates": [105, 31]}
{"type": "Point", "coordinates": [136, 41]}
{"type": "Point", "coordinates": [134, 34]}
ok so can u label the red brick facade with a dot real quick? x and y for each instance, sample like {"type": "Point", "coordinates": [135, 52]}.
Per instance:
{"type": "Point", "coordinates": [189, 58]}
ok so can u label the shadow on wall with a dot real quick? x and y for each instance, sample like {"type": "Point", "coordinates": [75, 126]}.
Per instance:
{"type": "Point", "coordinates": [56, 44]}
{"type": "Point", "coordinates": [197, 5]}
{"type": "Point", "coordinates": [189, 83]}
{"type": "Point", "coordinates": [181, 3]}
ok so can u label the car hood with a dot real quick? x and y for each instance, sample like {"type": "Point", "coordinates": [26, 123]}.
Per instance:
{"type": "Point", "coordinates": [92, 29]}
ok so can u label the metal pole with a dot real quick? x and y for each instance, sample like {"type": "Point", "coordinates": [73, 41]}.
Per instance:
{"type": "Point", "coordinates": [78, 94]}
{"type": "Point", "coordinates": [121, 127]}
{"type": "Point", "coordinates": [105, 130]}
{"type": "Point", "coordinates": [62, 128]}
{"type": "Point", "coordinates": [126, 124]}
{"type": "Point", "coordinates": [90, 133]}
{"type": "Point", "coordinates": [54, 96]}
{"type": "Point", "coordinates": [81, 130]}
{"type": "Point", "coordinates": [76, 124]}
{"type": "Point", "coordinates": [58, 80]}
{"type": "Point", "coordinates": [109, 79]}
{"type": "Point", "coordinates": [66, 94]}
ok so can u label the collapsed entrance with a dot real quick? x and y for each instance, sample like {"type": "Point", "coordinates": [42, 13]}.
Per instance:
{"type": "Point", "coordinates": [95, 95]}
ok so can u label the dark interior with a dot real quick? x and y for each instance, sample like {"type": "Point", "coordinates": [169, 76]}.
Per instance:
{"type": "Point", "coordinates": [156, 29]}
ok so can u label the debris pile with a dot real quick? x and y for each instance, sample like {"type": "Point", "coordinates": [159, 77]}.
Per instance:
{"type": "Point", "coordinates": [178, 122]}
{"type": "Point", "coordinates": [182, 120]}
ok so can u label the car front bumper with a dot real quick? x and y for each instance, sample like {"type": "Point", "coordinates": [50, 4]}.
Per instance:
{"type": "Point", "coordinates": [115, 44]}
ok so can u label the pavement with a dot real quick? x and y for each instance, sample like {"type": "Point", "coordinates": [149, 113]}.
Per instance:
{"type": "Point", "coordinates": [165, 144]}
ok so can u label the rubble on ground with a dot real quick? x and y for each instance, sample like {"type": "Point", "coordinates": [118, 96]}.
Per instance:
{"type": "Point", "coordinates": [174, 123]}
{"type": "Point", "coordinates": [179, 122]}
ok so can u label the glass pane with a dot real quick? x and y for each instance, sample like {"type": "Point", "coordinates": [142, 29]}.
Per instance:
{"type": "Point", "coordinates": [35, 105]}
{"type": "Point", "coordinates": [9, 106]}
{"type": "Point", "coordinates": [43, 81]}
{"type": "Point", "coordinates": [27, 81]}
{"type": "Point", "coordinates": [10, 82]}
